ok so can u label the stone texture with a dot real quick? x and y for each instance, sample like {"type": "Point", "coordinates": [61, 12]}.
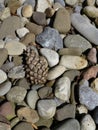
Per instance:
{"type": "Point", "coordinates": [3, 76]}
{"type": "Point", "coordinates": [73, 41]}
{"type": "Point", "coordinates": [82, 25]}
{"type": "Point", "coordinates": [16, 94]}
{"type": "Point", "coordinates": [90, 2]}
{"type": "Point", "coordinates": [92, 55]}
{"type": "Point", "coordinates": [50, 38]}
{"type": "Point", "coordinates": [9, 26]}
{"type": "Point", "coordinates": [3, 55]}
{"type": "Point", "coordinates": [62, 2]}
{"type": "Point", "coordinates": [5, 13]}
{"type": "Point", "coordinates": [21, 32]}
{"type": "Point", "coordinates": [64, 25]}
{"type": "Point", "coordinates": [95, 115]}
{"type": "Point", "coordinates": [71, 2]}
{"type": "Point", "coordinates": [46, 108]}
{"type": "Point", "coordinates": [65, 112]}
{"type": "Point", "coordinates": [51, 56]}
{"type": "Point", "coordinates": [27, 11]}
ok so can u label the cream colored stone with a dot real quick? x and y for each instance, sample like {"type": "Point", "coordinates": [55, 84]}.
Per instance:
{"type": "Point", "coordinates": [82, 109]}
{"type": "Point", "coordinates": [27, 11]}
{"type": "Point", "coordinates": [90, 2]}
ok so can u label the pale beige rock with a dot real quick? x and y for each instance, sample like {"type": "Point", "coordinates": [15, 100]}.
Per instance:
{"type": "Point", "coordinates": [56, 72]}
{"type": "Point", "coordinates": [90, 2]}
{"type": "Point", "coordinates": [73, 62]}
{"type": "Point", "coordinates": [82, 109]}
{"type": "Point", "coordinates": [15, 47]}
{"type": "Point", "coordinates": [3, 76]}
{"type": "Point", "coordinates": [5, 13]}
{"type": "Point", "coordinates": [94, 84]}
{"type": "Point", "coordinates": [27, 11]}
{"type": "Point", "coordinates": [71, 2]}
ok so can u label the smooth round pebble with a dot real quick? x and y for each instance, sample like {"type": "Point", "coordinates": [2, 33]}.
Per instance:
{"type": "Point", "coordinates": [32, 98]}
{"type": "Point", "coordinates": [51, 56]}
{"type": "Point", "coordinates": [56, 72]}
{"type": "Point", "coordinates": [15, 47]}
{"type": "Point", "coordinates": [95, 115]}
{"type": "Point", "coordinates": [46, 108]}
{"type": "Point", "coordinates": [16, 94]}
{"type": "Point", "coordinates": [27, 11]}
{"type": "Point", "coordinates": [5, 87]}
{"type": "Point", "coordinates": [73, 62]}
{"type": "Point", "coordinates": [21, 32]}
{"type": "Point", "coordinates": [3, 76]}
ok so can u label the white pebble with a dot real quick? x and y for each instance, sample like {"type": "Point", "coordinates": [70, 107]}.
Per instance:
{"type": "Point", "coordinates": [21, 32]}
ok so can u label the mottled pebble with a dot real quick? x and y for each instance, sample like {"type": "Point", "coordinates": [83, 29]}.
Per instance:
{"type": "Point", "coordinates": [16, 94]}
{"type": "Point", "coordinates": [3, 55]}
{"type": "Point", "coordinates": [32, 98]}
{"type": "Point", "coordinates": [50, 38]}
{"type": "Point", "coordinates": [81, 109]}
{"type": "Point", "coordinates": [7, 66]}
{"type": "Point", "coordinates": [21, 32]}
{"type": "Point", "coordinates": [3, 76]}
{"type": "Point", "coordinates": [27, 11]}
{"type": "Point", "coordinates": [62, 89]}
{"type": "Point", "coordinates": [15, 47]}
{"type": "Point", "coordinates": [73, 62]}
{"type": "Point", "coordinates": [56, 72]}
{"type": "Point", "coordinates": [5, 13]}
{"type": "Point", "coordinates": [5, 126]}
{"type": "Point", "coordinates": [51, 56]}
{"type": "Point", "coordinates": [46, 108]}
{"type": "Point", "coordinates": [5, 87]}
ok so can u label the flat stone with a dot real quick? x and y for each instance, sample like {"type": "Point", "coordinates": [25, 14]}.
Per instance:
{"type": "Point", "coordinates": [71, 2]}
{"type": "Point", "coordinates": [62, 89]}
{"type": "Point", "coordinates": [5, 87]}
{"type": "Point", "coordinates": [23, 126]}
{"type": "Point", "coordinates": [64, 25]}
{"type": "Point", "coordinates": [21, 32]}
{"type": "Point", "coordinates": [43, 5]}
{"type": "Point", "coordinates": [28, 114]}
{"type": "Point", "coordinates": [92, 55]}
{"type": "Point", "coordinates": [34, 28]}
{"type": "Point", "coordinates": [56, 72]}
{"type": "Point", "coordinates": [82, 25]}
{"type": "Point", "coordinates": [16, 94]}
{"type": "Point", "coordinates": [65, 112]}
{"type": "Point", "coordinates": [73, 62]}
{"type": "Point", "coordinates": [9, 26]}
{"type": "Point", "coordinates": [74, 41]}
{"type": "Point", "coordinates": [87, 123]}
{"type": "Point", "coordinates": [71, 124]}
{"type": "Point", "coordinates": [51, 56]}
{"type": "Point", "coordinates": [39, 18]}
{"type": "Point", "coordinates": [27, 11]}
{"type": "Point", "coordinates": [32, 98]}
{"type": "Point", "coordinates": [87, 96]}
{"type": "Point", "coordinates": [46, 108]}
{"type": "Point", "coordinates": [3, 76]}
{"type": "Point", "coordinates": [15, 47]}
{"type": "Point", "coordinates": [16, 72]}
{"type": "Point", "coordinates": [50, 38]}
{"type": "Point", "coordinates": [3, 55]}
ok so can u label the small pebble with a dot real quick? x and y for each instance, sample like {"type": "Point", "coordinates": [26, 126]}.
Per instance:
{"type": "Point", "coordinates": [51, 56]}
{"type": "Point", "coordinates": [3, 55]}
{"type": "Point", "coordinates": [3, 76]}
{"type": "Point", "coordinates": [46, 108]}
{"type": "Point", "coordinates": [5, 13]}
{"type": "Point", "coordinates": [21, 32]}
{"type": "Point", "coordinates": [81, 109]}
{"type": "Point", "coordinates": [14, 122]}
{"type": "Point", "coordinates": [32, 98]}
{"type": "Point", "coordinates": [71, 2]}
{"type": "Point", "coordinates": [62, 89]}
{"type": "Point", "coordinates": [27, 11]}
{"type": "Point", "coordinates": [16, 94]}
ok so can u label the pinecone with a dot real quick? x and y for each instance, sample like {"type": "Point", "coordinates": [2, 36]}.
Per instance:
{"type": "Point", "coordinates": [36, 67]}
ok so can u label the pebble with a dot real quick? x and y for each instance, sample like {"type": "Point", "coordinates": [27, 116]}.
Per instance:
{"type": "Point", "coordinates": [27, 11]}
{"type": "Point", "coordinates": [87, 96]}
{"type": "Point", "coordinates": [9, 26]}
{"type": "Point", "coordinates": [91, 2]}
{"type": "Point", "coordinates": [62, 2]}
{"type": "Point", "coordinates": [91, 11]}
{"type": "Point", "coordinates": [21, 32]}
{"type": "Point", "coordinates": [92, 55]}
{"type": "Point", "coordinates": [46, 108]}
{"type": "Point", "coordinates": [39, 18]}
{"type": "Point", "coordinates": [82, 25]}
{"type": "Point", "coordinates": [28, 114]}
{"type": "Point", "coordinates": [23, 126]}
{"type": "Point", "coordinates": [72, 74]}
{"type": "Point", "coordinates": [65, 112]}
{"type": "Point", "coordinates": [3, 76]}
{"type": "Point", "coordinates": [73, 62]}
{"type": "Point", "coordinates": [4, 126]}
{"type": "Point", "coordinates": [56, 72]}
{"type": "Point", "coordinates": [64, 25]}
{"type": "Point", "coordinates": [76, 51]}
{"type": "Point", "coordinates": [32, 98]}
{"type": "Point", "coordinates": [57, 6]}
{"type": "Point", "coordinates": [50, 38]}
{"type": "Point", "coordinates": [43, 5]}
{"type": "Point", "coordinates": [71, 2]}
{"type": "Point", "coordinates": [45, 92]}
{"type": "Point", "coordinates": [17, 60]}
{"type": "Point", "coordinates": [62, 89]}
{"type": "Point", "coordinates": [94, 84]}
{"type": "Point", "coordinates": [15, 47]}
{"type": "Point", "coordinates": [34, 28]}
{"type": "Point", "coordinates": [16, 72]}
{"type": "Point", "coordinates": [87, 123]}
{"type": "Point", "coordinates": [51, 56]}
{"type": "Point", "coordinates": [2, 43]}
{"type": "Point", "coordinates": [70, 124]}
{"type": "Point", "coordinates": [73, 41]}
{"type": "Point", "coordinates": [16, 94]}
{"type": "Point", "coordinates": [95, 115]}
{"type": "Point", "coordinates": [5, 87]}
{"type": "Point", "coordinates": [81, 109]}
{"type": "Point", "coordinates": [49, 13]}
{"type": "Point", "coordinates": [3, 56]}
{"type": "Point", "coordinates": [14, 121]}
{"type": "Point", "coordinates": [5, 13]}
